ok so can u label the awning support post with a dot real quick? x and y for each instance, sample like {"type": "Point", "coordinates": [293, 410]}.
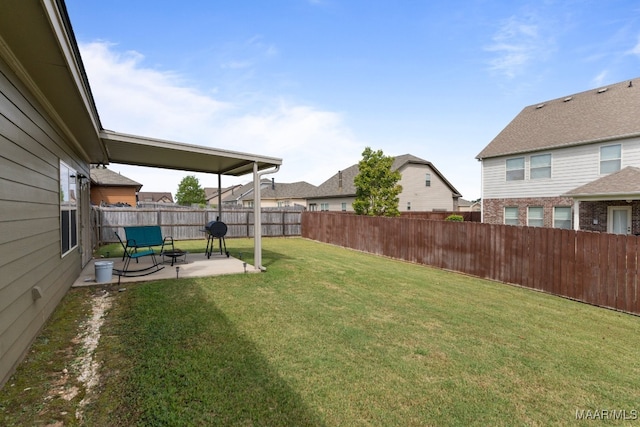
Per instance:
{"type": "Point", "coordinates": [257, 217]}
{"type": "Point", "coordinates": [219, 197]}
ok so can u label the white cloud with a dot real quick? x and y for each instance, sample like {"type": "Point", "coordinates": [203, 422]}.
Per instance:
{"type": "Point", "coordinates": [133, 98]}
{"type": "Point", "coordinates": [636, 49]}
{"type": "Point", "coordinates": [599, 79]}
{"type": "Point", "coordinates": [517, 44]}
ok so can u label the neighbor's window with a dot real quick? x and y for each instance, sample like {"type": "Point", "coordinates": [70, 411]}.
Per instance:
{"type": "Point", "coordinates": [313, 207]}
{"type": "Point", "coordinates": [540, 166]}
{"type": "Point", "coordinates": [535, 216]}
{"type": "Point", "coordinates": [68, 209]}
{"type": "Point", "coordinates": [562, 217]}
{"type": "Point", "coordinates": [344, 206]}
{"type": "Point", "coordinates": [511, 215]}
{"type": "Point", "coordinates": [610, 158]}
{"type": "Point", "coordinates": [427, 180]}
{"type": "Point", "coordinates": [324, 206]}
{"type": "Point", "coordinates": [515, 169]}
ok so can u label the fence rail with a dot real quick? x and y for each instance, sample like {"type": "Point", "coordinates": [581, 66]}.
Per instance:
{"type": "Point", "coordinates": [596, 268]}
{"type": "Point", "coordinates": [187, 224]}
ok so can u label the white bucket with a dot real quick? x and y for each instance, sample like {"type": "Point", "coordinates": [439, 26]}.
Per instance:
{"type": "Point", "coordinates": [104, 271]}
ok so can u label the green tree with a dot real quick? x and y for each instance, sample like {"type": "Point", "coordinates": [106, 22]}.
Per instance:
{"type": "Point", "coordinates": [190, 192]}
{"type": "Point", "coordinates": [377, 187]}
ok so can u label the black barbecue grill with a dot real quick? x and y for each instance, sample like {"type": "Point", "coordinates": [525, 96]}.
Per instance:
{"type": "Point", "coordinates": [216, 230]}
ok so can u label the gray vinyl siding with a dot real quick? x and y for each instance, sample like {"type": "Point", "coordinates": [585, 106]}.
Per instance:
{"type": "Point", "coordinates": [570, 168]}
{"type": "Point", "coordinates": [30, 255]}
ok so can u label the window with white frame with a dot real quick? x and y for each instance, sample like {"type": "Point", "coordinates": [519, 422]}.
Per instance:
{"type": "Point", "coordinates": [610, 158]}
{"type": "Point", "coordinates": [562, 217]}
{"type": "Point", "coordinates": [68, 209]}
{"type": "Point", "coordinates": [313, 207]}
{"type": "Point", "coordinates": [427, 180]}
{"type": "Point", "coordinates": [515, 169]}
{"type": "Point", "coordinates": [511, 215]}
{"type": "Point", "coordinates": [540, 166]}
{"type": "Point", "coordinates": [344, 206]}
{"type": "Point", "coordinates": [324, 206]}
{"type": "Point", "coordinates": [535, 216]}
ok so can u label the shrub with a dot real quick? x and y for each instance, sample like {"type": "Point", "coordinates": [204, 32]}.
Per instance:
{"type": "Point", "coordinates": [456, 218]}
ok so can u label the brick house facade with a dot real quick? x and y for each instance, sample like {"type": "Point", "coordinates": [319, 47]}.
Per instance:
{"type": "Point", "coordinates": [493, 209]}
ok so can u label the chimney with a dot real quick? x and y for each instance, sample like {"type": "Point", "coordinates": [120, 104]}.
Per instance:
{"type": "Point", "coordinates": [339, 179]}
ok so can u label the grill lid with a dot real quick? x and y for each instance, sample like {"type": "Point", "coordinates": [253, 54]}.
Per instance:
{"type": "Point", "coordinates": [216, 228]}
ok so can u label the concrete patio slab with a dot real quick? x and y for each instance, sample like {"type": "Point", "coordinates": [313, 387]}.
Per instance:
{"type": "Point", "coordinates": [194, 265]}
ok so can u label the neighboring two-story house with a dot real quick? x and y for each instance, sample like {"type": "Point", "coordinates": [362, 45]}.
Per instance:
{"type": "Point", "coordinates": [571, 162]}
{"type": "Point", "coordinates": [424, 188]}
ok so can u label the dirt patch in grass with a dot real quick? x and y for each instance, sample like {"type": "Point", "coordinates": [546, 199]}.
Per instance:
{"type": "Point", "coordinates": [57, 379]}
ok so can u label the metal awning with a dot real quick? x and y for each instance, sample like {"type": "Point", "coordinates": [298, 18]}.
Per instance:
{"type": "Point", "coordinates": [145, 151]}
{"type": "Point", "coordinates": [158, 153]}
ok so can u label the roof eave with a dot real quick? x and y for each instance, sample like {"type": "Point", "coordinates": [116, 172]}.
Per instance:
{"type": "Point", "coordinates": [37, 41]}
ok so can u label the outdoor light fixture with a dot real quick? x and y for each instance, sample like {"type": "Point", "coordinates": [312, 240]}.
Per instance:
{"type": "Point", "coordinates": [36, 293]}
{"type": "Point", "coordinates": [177, 271]}
{"type": "Point", "coordinates": [244, 264]}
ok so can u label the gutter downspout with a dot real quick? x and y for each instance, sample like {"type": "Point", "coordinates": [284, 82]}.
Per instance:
{"type": "Point", "coordinates": [257, 220]}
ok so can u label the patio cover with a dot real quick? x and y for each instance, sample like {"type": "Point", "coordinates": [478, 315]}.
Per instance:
{"type": "Point", "coordinates": [145, 151]}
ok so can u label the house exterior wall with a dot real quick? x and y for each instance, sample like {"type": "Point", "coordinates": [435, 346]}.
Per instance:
{"type": "Point", "coordinates": [571, 167]}
{"type": "Point", "coordinates": [416, 196]}
{"type": "Point", "coordinates": [333, 203]}
{"type": "Point", "coordinates": [111, 195]}
{"type": "Point", "coordinates": [31, 149]}
{"type": "Point", "coordinates": [277, 203]}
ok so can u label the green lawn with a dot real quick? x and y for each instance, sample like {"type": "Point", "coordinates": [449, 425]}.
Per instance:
{"type": "Point", "coordinates": [329, 336]}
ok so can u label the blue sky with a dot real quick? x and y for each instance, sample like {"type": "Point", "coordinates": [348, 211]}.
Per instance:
{"type": "Point", "coordinates": [314, 82]}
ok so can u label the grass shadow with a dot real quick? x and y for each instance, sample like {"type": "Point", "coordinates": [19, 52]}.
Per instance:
{"type": "Point", "coordinates": [182, 362]}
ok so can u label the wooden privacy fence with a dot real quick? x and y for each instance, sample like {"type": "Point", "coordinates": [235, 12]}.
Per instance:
{"type": "Point", "coordinates": [187, 224]}
{"type": "Point", "coordinates": [596, 268]}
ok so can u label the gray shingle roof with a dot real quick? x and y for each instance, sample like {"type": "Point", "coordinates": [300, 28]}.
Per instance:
{"type": "Point", "coordinates": [280, 190]}
{"type": "Point", "coordinates": [100, 176]}
{"type": "Point", "coordinates": [625, 181]}
{"type": "Point", "coordinates": [611, 112]}
{"type": "Point", "coordinates": [332, 187]}
{"type": "Point", "coordinates": [154, 196]}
